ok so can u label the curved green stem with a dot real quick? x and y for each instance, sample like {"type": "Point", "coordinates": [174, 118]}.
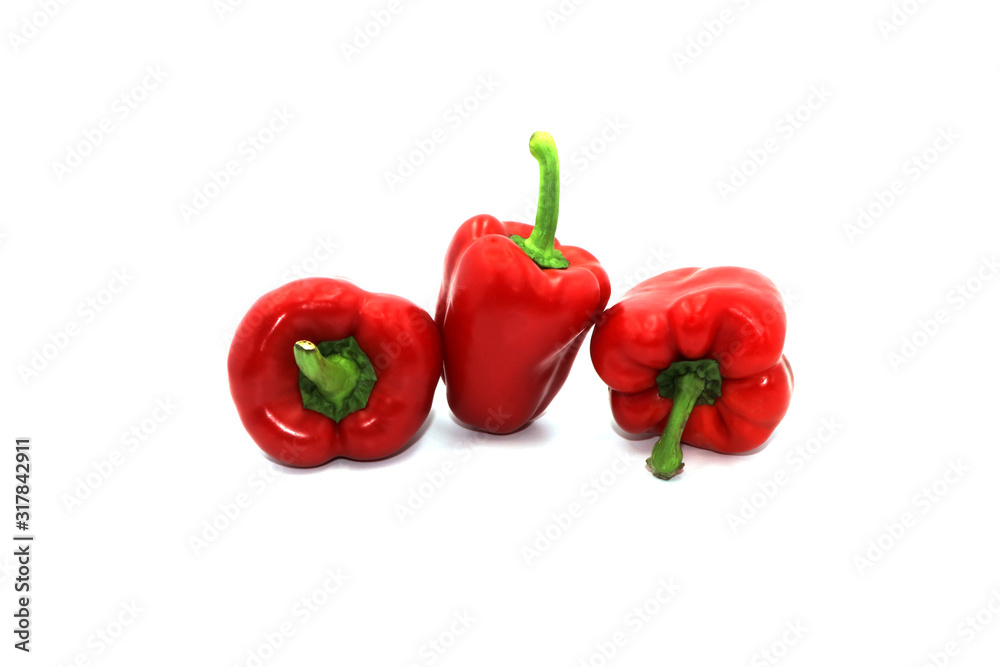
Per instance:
{"type": "Point", "coordinates": [667, 459]}
{"type": "Point", "coordinates": [334, 376]}
{"type": "Point", "coordinates": [540, 245]}
{"type": "Point", "coordinates": [688, 383]}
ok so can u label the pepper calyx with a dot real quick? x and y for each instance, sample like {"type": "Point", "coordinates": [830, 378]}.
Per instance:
{"type": "Point", "coordinates": [335, 377]}
{"type": "Point", "coordinates": [706, 369]}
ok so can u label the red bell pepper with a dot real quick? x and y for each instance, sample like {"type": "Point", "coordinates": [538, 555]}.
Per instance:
{"type": "Point", "coordinates": [514, 308]}
{"type": "Point", "coordinates": [696, 354]}
{"type": "Point", "coordinates": [321, 369]}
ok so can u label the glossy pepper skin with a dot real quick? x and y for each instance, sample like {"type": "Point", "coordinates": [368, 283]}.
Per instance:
{"type": "Point", "coordinates": [706, 341]}
{"type": "Point", "coordinates": [280, 342]}
{"type": "Point", "coordinates": [513, 310]}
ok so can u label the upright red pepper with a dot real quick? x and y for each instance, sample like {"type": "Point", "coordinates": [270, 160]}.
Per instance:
{"type": "Point", "coordinates": [696, 354]}
{"type": "Point", "coordinates": [514, 308]}
{"type": "Point", "coordinates": [320, 369]}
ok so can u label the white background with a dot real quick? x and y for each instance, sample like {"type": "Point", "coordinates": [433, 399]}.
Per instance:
{"type": "Point", "coordinates": [646, 199]}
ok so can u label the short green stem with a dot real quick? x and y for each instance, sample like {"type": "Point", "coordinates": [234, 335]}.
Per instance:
{"type": "Point", "coordinates": [540, 245]}
{"type": "Point", "coordinates": [687, 383]}
{"type": "Point", "coordinates": [334, 376]}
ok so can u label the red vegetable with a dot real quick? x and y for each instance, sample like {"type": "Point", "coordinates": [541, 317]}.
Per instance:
{"type": "Point", "coordinates": [514, 308]}
{"type": "Point", "coordinates": [321, 369]}
{"type": "Point", "coordinates": [697, 355]}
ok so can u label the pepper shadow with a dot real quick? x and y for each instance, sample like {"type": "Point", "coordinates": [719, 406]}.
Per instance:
{"type": "Point", "coordinates": [533, 433]}
{"type": "Point", "coordinates": [393, 459]}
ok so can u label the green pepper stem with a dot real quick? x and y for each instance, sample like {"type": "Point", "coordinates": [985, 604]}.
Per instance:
{"type": "Point", "coordinates": [540, 245]}
{"type": "Point", "coordinates": [543, 149]}
{"type": "Point", "coordinates": [667, 459]}
{"type": "Point", "coordinates": [335, 376]}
